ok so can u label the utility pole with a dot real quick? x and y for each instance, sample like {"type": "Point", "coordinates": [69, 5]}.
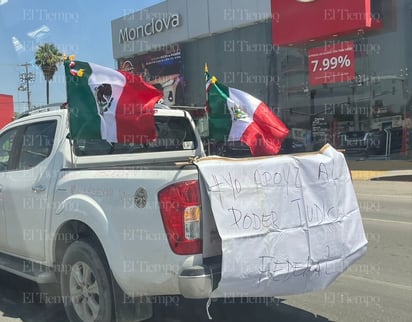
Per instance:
{"type": "Point", "coordinates": [25, 79]}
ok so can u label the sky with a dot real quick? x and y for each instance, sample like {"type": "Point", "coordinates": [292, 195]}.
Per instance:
{"type": "Point", "coordinates": [79, 27]}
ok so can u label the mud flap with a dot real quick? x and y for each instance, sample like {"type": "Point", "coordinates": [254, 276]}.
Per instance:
{"type": "Point", "coordinates": [129, 309]}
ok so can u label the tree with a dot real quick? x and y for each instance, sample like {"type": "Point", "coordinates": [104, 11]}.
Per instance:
{"type": "Point", "coordinates": [48, 57]}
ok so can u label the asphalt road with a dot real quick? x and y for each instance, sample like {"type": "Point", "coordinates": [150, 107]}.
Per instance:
{"type": "Point", "coordinates": [377, 288]}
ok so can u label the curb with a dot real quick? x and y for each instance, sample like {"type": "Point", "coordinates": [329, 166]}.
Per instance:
{"type": "Point", "coordinates": [371, 175]}
{"type": "Point", "coordinates": [367, 175]}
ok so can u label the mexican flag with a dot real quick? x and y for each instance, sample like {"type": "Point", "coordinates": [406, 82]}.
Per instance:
{"type": "Point", "coordinates": [238, 116]}
{"type": "Point", "coordinates": [115, 106]}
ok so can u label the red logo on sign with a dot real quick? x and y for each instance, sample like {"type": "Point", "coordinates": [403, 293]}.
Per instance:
{"type": "Point", "coordinates": [332, 63]}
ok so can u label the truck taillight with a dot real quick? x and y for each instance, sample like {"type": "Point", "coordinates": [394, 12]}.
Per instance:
{"type": "Point", "coordinates": [181, 214]}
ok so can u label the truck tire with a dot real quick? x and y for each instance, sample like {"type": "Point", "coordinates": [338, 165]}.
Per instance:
{"type": "Point", "coordinates": [85, 283]}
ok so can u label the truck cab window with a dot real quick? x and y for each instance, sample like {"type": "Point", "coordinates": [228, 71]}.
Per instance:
{"type": "Point", "coordinates": [173, 134]}
{"type": "Point", "coordinates": [6, 145]}
{"type": "Point", "coordinates": [37, 143]}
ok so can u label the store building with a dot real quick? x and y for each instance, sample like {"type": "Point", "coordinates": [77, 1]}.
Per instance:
{"type": "Point", "coordinates": [326, 67]}
{"type": "Point", "coordinates": [6, 109]}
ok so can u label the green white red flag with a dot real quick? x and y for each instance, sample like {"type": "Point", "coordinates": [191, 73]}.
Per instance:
{"type": "Point", "coordinates": [107, 104]}
{"type": "Point", "coordinates": [235, 115]}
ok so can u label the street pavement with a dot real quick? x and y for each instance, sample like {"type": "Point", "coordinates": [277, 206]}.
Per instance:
{"type": "Point", "coordinates": [379, 286]}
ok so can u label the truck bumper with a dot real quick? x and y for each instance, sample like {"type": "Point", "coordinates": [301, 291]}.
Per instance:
{"type": "Point", "coordinates": [198, 282]}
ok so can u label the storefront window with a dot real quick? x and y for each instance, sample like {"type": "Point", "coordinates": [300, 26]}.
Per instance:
{"type": "Point", "coordinates": [373, 99]}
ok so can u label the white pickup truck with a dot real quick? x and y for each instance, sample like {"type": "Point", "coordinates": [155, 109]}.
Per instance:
{"type": "Point", "coordinates": [112, 224]}
{"type": "Point", "coordinates": [118, 225]}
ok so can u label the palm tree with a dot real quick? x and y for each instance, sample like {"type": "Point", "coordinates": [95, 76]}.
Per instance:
{"type": "Point", "coordinates": [48, 57]}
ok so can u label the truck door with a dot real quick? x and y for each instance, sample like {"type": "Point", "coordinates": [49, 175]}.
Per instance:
{"type": "Point", "coordinates": [26, 189]}
{"type": "Point", "coordinates": [6, 145]}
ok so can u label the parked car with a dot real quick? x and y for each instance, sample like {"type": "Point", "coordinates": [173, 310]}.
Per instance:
{"type": "Point", "coordinates": [290, 146]}
{"type": "Point", "coordinates": [354, 142]}
{"type": "Point", "coordinates": [380, 141]}
{"type": "Point", "coordinates": [237, 149]}
{"type": "Point", "coordinates": [372, 142]}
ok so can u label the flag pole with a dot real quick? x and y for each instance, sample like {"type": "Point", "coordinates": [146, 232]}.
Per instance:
{"type": "Point", "coordinates": [70, 137]}
{"type": "Point", "coordinates": [207, 112]}
{"type": "Point", "coordinates": [67, 60]}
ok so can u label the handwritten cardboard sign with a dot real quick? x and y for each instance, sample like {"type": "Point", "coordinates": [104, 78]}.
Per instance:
{"type": "Point", "coordinates": [289, 224]}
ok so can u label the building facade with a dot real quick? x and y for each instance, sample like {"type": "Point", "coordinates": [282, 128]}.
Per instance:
{"type": "Point", "coordinates": [325, 68]}
{"type": "Point", "coordinates": [6, 109]}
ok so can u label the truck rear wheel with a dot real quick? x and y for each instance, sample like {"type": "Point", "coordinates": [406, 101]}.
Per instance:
{"type": "Point", "coordinates": [85, 284]}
